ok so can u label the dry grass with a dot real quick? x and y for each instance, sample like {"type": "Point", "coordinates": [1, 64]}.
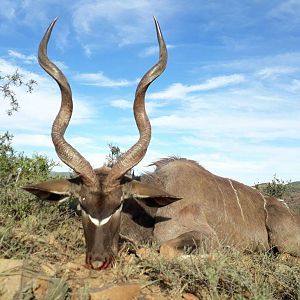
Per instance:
{"type": "Point", "coordinates": [223, 274]}
{"type": "Point", "coordinates": [30, 228]}
{"type": "Point", "coordinates": [45, 234]}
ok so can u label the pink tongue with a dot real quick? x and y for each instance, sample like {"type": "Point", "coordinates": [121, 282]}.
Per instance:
{"type": "Point", "coordinates": [97, 264]}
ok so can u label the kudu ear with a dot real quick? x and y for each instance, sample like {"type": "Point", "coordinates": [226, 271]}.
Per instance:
{"type": "Point", "coordinates": [151, 195]}
{"type": "Point", "coordinates": [53, 190]}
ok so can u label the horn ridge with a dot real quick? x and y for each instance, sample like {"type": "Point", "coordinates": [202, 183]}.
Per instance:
{"type": "Point", "coordinates": [69, 155]}
{"type": "Point", "coordinates": [137, 152]}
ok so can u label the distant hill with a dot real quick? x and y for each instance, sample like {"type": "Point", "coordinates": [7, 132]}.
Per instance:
{"type": "Point", "coordinates": [61, 174]}
{"type": "Point", "coordinates": [294, 185]}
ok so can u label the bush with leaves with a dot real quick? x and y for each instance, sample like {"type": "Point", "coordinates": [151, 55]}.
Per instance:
{"type": "Point", "coordinates": [10, 81]}
{"type": "Point", "coordinates": [16, 167]}
{"type": "Point", "coordinates": [276, 188]}
{"type": "Point", "coordinates": [113, 156]}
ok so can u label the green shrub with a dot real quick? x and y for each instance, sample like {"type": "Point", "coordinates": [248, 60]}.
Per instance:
{"type": "Point", "coordinates": [276, 188]}
{"type": "Point", "coordinates": [27, 224]}
{"type": "Point", "coordinates": [8, 84]}
{"type": "Point", "coordinates": [17, 168]}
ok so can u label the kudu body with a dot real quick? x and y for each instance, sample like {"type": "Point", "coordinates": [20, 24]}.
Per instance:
{"type": "Point", "coordinates": [180, 204]}
{"type": "Point", "coordinates": [217, 211]}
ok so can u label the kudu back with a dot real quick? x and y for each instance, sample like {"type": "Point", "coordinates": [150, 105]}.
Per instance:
{"type": "Point", "coordinates": [180, 204]}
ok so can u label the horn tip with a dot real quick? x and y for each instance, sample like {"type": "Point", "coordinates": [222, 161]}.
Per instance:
{"type": "Point", "coordinates": [155, 21]}
{"type": "Point", "coordinates": [54, 20]}
{"type": "Point", "coordinates": [53, 23]}
{"type": "Point", "coordinates": [158, 30]}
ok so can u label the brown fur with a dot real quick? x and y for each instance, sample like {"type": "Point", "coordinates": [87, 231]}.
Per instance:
{"type": "Point", "coordinates": [229, 212]}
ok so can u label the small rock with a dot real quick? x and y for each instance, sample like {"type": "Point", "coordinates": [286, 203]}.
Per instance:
{"type": "Point", "coordinates": [211, 258]}
{"type": "Point", "coordinates": [189, 296]}
{"type": "Point", "coordinates": [51, 239]}
{"type": "Point", "coordinates": [168, 251]}
{"type": "Point", "coordinates": [11, 277]}
{"type": "Point", "coordinates": [247, 295]}
{"type": "Point", "coordinates": [40, 286]}
{"type": "Point", "coordinates": [281, 289]}
{"type": "Point", "coordinates": [129, 258]}
{"type": "Point", "coordinates": [143, 252]}
{"type": "Point", "coordinates": [116, 292]}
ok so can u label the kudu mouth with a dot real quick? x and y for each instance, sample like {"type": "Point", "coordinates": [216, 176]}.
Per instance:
{"type": "Point", "coordinates": [98, 264]}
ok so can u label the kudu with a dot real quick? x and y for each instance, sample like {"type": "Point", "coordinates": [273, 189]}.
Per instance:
{"type": "Point", "coordinates": [101, 192]}
{"type": "Point", "coordinates": [179, 204]}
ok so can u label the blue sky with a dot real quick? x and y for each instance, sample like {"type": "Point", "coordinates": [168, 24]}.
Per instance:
{"type": "Point", "coordinates": [229, 98]}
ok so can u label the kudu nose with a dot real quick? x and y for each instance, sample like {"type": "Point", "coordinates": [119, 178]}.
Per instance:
{"type": "Point", "coordinates": [97, 264]}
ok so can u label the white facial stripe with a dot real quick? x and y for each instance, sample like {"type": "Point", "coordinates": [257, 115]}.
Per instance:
{"type": "Point", "coordinates": [102, 222]}
{"type": "Point", "coordinates": [99, 223]}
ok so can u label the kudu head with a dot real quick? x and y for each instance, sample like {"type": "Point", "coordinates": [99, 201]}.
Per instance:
{"type": "Point", "coordinates": [101, 192]}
